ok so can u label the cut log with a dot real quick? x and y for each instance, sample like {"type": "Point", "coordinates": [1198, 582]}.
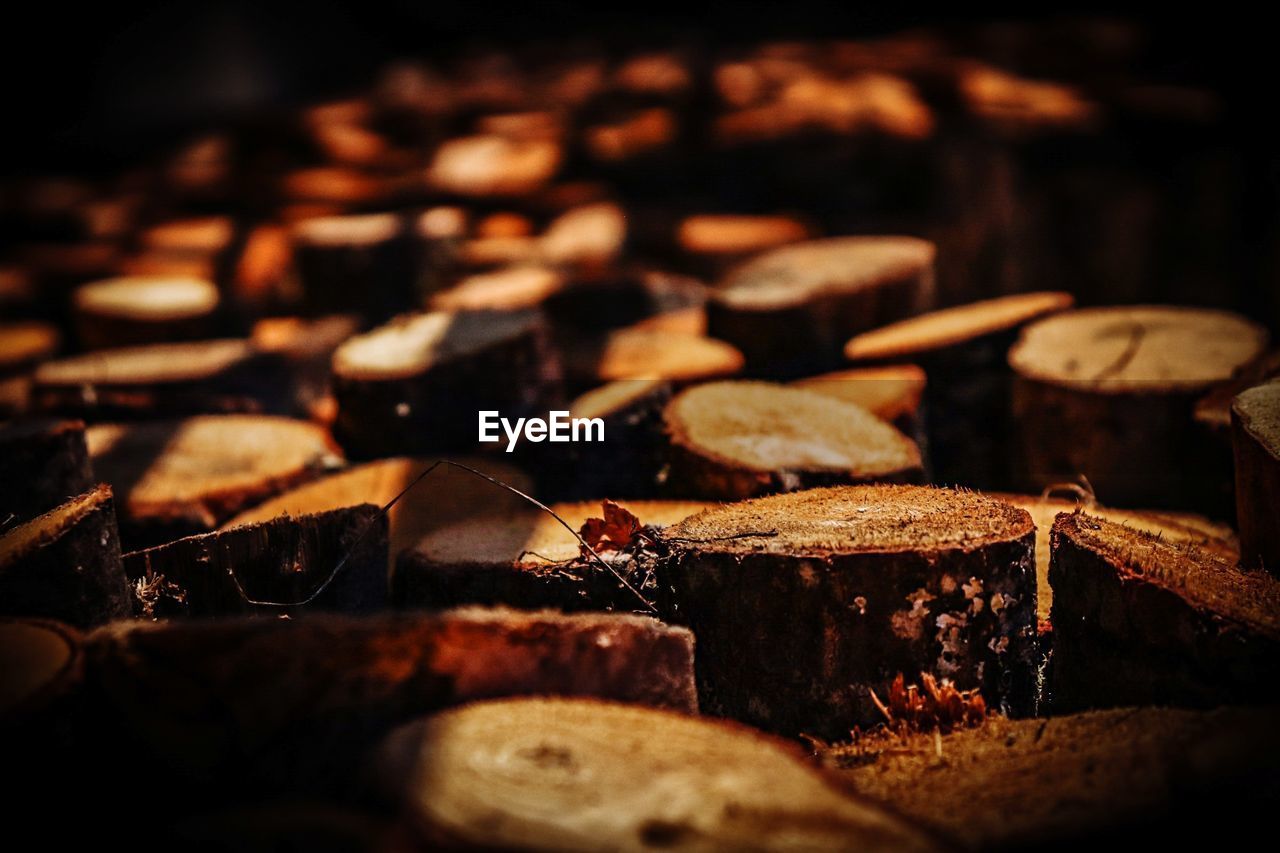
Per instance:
{"type": "Point", "coordinates": [712, 243]}
{"type": "Point", "coordinates": [299, 700]}
{"type": "Point", "coordinates": [734, 440]}
{"type": "Point", "coordinates": [1157, 774]}
{"type": "Point", "coordinates": [513, 288]}
{"type": "Point", "coordinates": [26, 344]}
{"type": "Point", "coordinates": [803, 604]}
{"type": "Point", "coordinates": [491, 165]}
{"type": "Point", "coordinates": [630, 461]}
{"type": "Point", "coordinates": [529, 560]}
{"type": "Point", "coordinates": [447, 495]}
{"type": "Point", "coordinates": [892, 393]}
{"type": "Point", "coordinates": [159, 380]}
{"type": "Point", "coordinates": [564, 774]}
{"type": "Point", "coordinates": [261, 279]}
{"type": "Point", "coordinates": [43, 463]}
{"type": "Point", "coordinates": [1187, 528]}
{"type": "Point", "coordinates": [1255, 424]}
{"type": "Point", "coordinates": [629, 354]}
{"type": "Point", "coordinates": [287, 559]}
{"type": "Point", "coordinates": [593, 301]}
{"type": "Point", "coordinates": [1137, 621]}
{"type": "Point", "coordinates": [178, 478]}
{"type": "Point", "coordinates": [356, 264]}
{"type": "Point", "coordinates": [792, 309]}
{"type": "Point", "coordinates": [1108, 393]}
{"type": "Point", "coordinates": [417, 383]}
{"type": "Point", "coordinates": [1213, 410]}
{"type": "Point", "coordinates": [963, 351]}
{"type": "Point", "coordinates": [590, 237]}
{"type": "Point", "coordinates": [132, 311]}
{"type": "Point", "coordinates": [65, 564]}
{"type": "Point", "coordinates": [305, 348]}
{"type": "Point", "coordinates": [40, 661]}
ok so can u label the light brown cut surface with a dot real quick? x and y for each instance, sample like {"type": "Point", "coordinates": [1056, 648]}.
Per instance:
{"type": "Point", "coordinates": [1259, 411]}
{"type": "Point", "coordinates": [797, 273]}
{"type": "Point", "coordinates": [493, 165]}
{"type": "Point", "coordinates": [204, 469]}
{"type": "Point", "coordinates": [336, 185]}
{"type": "Point", "coordinates": [508, 289]}
{"type": "Point", "coordinates": [644, 354]}
{"type": "Point", "coordinates": [1022, 783]}
{"type": "Point", "coordinates": [34, 656]}
{"type": "Point", "coordinates": [338, 231]}
{"type": "Point", "coordinates": [539, 774]}
{"type": "Point", "coordinates": [448, 495]}
{"type": "Point", "coordinates": [888, 392]}
{"type": "Point", "coordinates": [950, 326]}
{"type": "Point", "coordinates": [412, 344]}
{"type": "Point", "coordinates": [734, 234]}
{"type": "Point", "coordinates": [1186, 528]}
{"type": "Point", "coordinates": [682, 321]}
{"type": "Point", "coordinates": [764, 427]}
{"type": "Point", "coordinates": [1132, 349]}
{"type": "Point", "coordinates": [593, 235]}
{"type": "Point", "coordinates": [1199, 577]}
{"type": "Point", "coordinates": [154, 364]}
{"type": "Point", "coordinates": [26, 538]}
{"type": "Point", "coordinates": [149, 298]}
{"type": "Point", "coordinates": [22, 344]}
{"type": "Point", "coordinates": [854, 519]}
{"type": "Point", "coordinates": [530, 538]}
{"type": "Point", "coordinates": [613, 396]}
{"type": "Point", "coordinates": [208, 234]}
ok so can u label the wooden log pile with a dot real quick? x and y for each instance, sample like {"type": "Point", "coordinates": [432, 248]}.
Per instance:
{"type": "Point", "coordinates": [920, 488]}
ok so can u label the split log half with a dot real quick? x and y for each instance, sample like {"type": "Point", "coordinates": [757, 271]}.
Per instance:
{"type": "Point", "coordinates": [178, 478]}
{"type": "Point", "coordinates": [417, 383]}
{"type": "Point", "coordinates": [1138, 620]}
{"type": "Point", "coordinates": [561, 774]}
{"type": "Point", "coordinates": [1187, 528]}
{"type": "Point", "coordinates": [805, 603]}
{"type": "Point", "coordinates": [529, 560]}
{"type": "Point", "coordinates": [792, 309]}
{"type": "Point", "coordinates": [963, 351]}
{"type": "Point", "coordinates": [734, 440]}
{"type": "Point", "coordinates": [283, 560]}
{"type": "Point", "coordinates": [65, 564]}
{"type": "Point", "coordinates": [893, 393]}
{"type": "Point", "coordinates": [447, 495]}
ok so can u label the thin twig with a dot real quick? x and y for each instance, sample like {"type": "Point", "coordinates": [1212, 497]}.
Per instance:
{"type": "Point", "coordinates": [416, 480]}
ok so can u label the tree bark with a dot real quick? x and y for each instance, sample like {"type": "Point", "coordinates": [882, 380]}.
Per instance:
{"type": "Point", "coordinates": [65, 564]}
{"type": "Point", "coordinates": [269, 704]}
{"type": "Point", "coordinates": [1255, 438]}
{"type": "Point", "coordinates": [43, 463]}
{"type": "Point", "coordinates": [805, 604]}
{"type": "Point", "coordinates": [283, 560]}
{"type": "Point", "coordinates": [1140, 621]}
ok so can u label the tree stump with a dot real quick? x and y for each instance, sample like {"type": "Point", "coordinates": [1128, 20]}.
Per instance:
{"type": "Point", "coordinates": [1108, 393]}
{"type": "Point", "coordinates": [734, 440]}
{"type": "Point", "coordinates": [805, 604]}
{"type": "Point", "coordinates": [528, 774]}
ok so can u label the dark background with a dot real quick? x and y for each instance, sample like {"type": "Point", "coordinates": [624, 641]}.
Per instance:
{"type": "Point", "coordinates": [91, 82]}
